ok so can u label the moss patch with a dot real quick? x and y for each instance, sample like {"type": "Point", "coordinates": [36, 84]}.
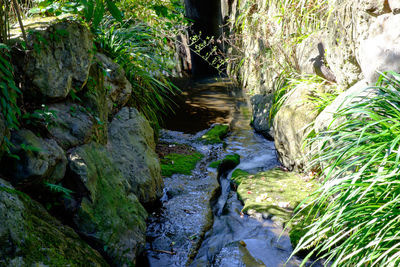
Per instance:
{"type": "Point", "coordinates": [238, 175]}
{"type": "Point", "coordinates": [276, 193]}
{"type": "Point", "coordinates": [214, 164]}
{"type": "Point", "coordinates": [216, 134]}
{"type": "Point", "coordinates": [179, 163]}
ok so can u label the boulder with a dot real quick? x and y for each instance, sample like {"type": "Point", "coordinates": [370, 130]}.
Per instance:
{"type": "Point", "coordinates": [292, 125]}
{"type": "Point", "coordinates": [131, 145]}
{"type": "Point", "coordinates": [394, 6]}
{"type": "Point", "coordinates": [325, 118]}
{"type": "Point", "coordinates": [29, 236]}
{"type": "Point", "coordinates": [311, 57]}
{"type": "Point", "coordinates": [40, 160]}
{"type": "Point", "coordinates": [118, 88]}
{"type": "Point", "coordinates": [345, 34]}
{"type": "Point", "coordinates": [59, 59]}
{"type": "Point", "coordinates": [107, 214]}
{"type": "Point", "coordinates": [381, 50]}
{"type": "Point", "coordinates": [72, 125]}
{"type": "Point", "coordinates": [261, 105]}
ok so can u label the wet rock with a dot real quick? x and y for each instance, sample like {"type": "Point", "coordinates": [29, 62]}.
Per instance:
{"type": "Point", "coordinates": [261, 105]}
{"type": "Point", "coordinates": [131, 144]}
{"type": "Point", "coordinates": [40, 160]}
{"type": "Point", "coordinates": [59, 60]}
{"type": "Point", "coordinates": [118, 87]}
{"type": "Point", "coordinates": [273, 194]}
{"type": "Point", "coordinates": [228, 163]}
{"type": "Point", "coordinates": [108, 215]}
{"type": "Point", "coordinates": [29, 236]}
{"type": "Point", "coordinates": [71, 126]}
{"type": "Point", "coordinates": [380, 51]}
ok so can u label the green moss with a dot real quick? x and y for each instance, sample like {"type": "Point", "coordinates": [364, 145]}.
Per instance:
{"type": "Point", "coordinates": [179, 163]}
{"type": "Point", "coordinates": [238, 175]}
{"type": "Point", "coordinates": [214, 164]}
{"type": "Point", "coordinates": [216, 134]}
{"type": "Point", "coordinates": [276, 193]}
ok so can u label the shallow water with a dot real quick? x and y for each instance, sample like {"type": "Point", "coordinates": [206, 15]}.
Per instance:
{"type": "Point", "coordinates": [200, 223]}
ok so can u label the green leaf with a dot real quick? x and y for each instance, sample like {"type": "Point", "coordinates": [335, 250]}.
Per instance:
{"type": "Point", "coordinates": [115, 12]}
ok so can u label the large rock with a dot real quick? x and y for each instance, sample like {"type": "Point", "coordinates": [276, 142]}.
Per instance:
{"type": "Point", "coordinates": [381, 51]}
{"type": "Point", "coordinates": [29, 236]}
{"type": "Point", "coordinates": [59, 60]}
{"type": "Point", "coordinates": [71, 126]}
{"type": "Point", "coordinates": [40, 160]}
{"type": "Point", "coordinates": [107, 214]}
{"type": "Point", "coordinates": [325, 119]}
{"type": "Point", "coordinates": [131, 143]}
{"type": "Point", "coordinates": [261, 105]}
{"type": "Point", "coordinates": [292, 125]}
{"type": "Point", "coordinates": [117, 86]}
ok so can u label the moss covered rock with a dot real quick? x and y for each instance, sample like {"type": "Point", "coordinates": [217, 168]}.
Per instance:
{"type": "Point", "coordinates": [108, 214]}
{"type": "Point", "coordinates": [29, 236]}
{"type": "Point", "coordinates": [238, 175]}
{"type": "Point", "coordinates": [131, 143]}
{"type": "Point", "coordinates": [39, 160]}
{"type": "Point", "coordinates": [274, 194]}
{"type": "Point", "coordinates": [215, 134]}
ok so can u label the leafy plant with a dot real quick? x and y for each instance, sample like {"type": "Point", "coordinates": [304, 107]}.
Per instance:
{"type": "Point", "coordinates": [66, 193]}
{"type": "Point", "coordinates": [356, 211]}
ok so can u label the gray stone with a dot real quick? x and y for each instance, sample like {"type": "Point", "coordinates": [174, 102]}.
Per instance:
{"type": "Point", "coordinates": [71, 126]}
{"type": "Point", "coordinates": [325, 119]}
{"type": "Point", "coordinates": [29, 236]}
{"type": "Point", "coordinates": [395, 6]}
{"type": "Point", "coordinates": [292, 124]}
{"type": "Point", "coordinates": [39, 159]}
{"type": "Point", "coordinates": [107, 214]}
{"type": "Point", "coordinates": [261, 105]}
{"type": "Point", "coordinates": [311, 57]}
{"type": "Point", "coordinates": [381, 51]}
{"type": "Point", "coordinates": [131, 144]}
{"type": "Point", "coordinates": [118, 88]}
{"type": "Point", "coordinates": [59, 60]}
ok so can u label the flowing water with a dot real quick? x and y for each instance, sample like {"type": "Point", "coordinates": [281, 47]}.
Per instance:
{"type": "Point", "coordinates": [200, 222]}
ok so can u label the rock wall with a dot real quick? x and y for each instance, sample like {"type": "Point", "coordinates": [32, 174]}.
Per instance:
{"type": "Point", "coordinates": [81, 153]}
{"type": "Point", "coordinates": [356, 41]}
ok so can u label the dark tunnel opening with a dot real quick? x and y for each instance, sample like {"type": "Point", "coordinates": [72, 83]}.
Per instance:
{"type": "Point", "coordinates": [206, 17]}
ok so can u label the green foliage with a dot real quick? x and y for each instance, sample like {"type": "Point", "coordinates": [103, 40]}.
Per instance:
{"type": "Point", "coordinates": [321, 92]}
{"type": "Point", "coordinates": [8, 96]}
{"type": "Point", "coordinates": [358, 203]}
{"type": "Point", "coordinates": [66, 193]}
{"type": "Point", "coordinates": [179, 163]}
{"type": "Point", "coordinates": [216, 134]}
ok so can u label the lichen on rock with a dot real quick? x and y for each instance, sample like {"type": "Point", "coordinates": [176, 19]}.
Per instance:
{"type": "Point", "coordinates": [29, 236]}
{"type": "Point", "coordinates": [108, 214]}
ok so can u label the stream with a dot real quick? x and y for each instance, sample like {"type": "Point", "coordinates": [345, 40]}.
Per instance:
{"type": "Point", "coordinates": [200, 222]}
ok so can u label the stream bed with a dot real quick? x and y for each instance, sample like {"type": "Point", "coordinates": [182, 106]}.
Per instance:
{"type": "Point", "coordinates": [200, 222]}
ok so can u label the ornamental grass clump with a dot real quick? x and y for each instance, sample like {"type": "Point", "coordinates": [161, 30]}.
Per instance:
{"type": "Point", "coordinates": [356, 212]}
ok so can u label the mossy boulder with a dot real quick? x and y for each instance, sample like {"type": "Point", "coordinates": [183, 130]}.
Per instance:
{"type": "Point", "coordinates": [131, 143]}
{"type": "Point", "coordinates": [238, 175]}
{"type": "Point", "coordinates": [228, 162]}
{"type": "Point", "coordinates": [29, 236]}
{"type": "Point", "coordinates": [215, 134]}
{"type": "Point", "coordinates": [274, 194]}
{"type": "Point", "coordinates": [39, 160]}
{"type": "Point", "coordinates": [108, 213]}
{"type": "Point", "coordinates": [58, 59]}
